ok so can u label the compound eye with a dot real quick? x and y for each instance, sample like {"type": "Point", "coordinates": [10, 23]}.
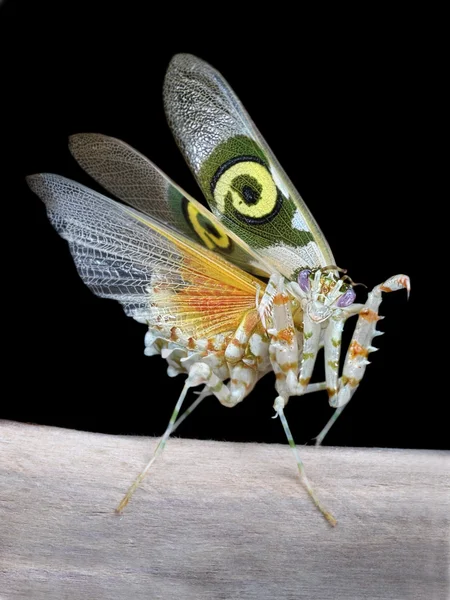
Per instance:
{"type": "Point", "coordinates": [346, 299]}
{"type": "Point", "coordinates": [303, 280]}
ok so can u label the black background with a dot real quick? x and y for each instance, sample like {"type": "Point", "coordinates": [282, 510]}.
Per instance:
{"type": "Point", "coordinates": [335, 95]}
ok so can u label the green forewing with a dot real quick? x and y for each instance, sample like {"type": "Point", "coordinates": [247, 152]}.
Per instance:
{"type": "Point", "coordinates": [238, 174]}
{"type": "Point", "coordinates": [137, 181]}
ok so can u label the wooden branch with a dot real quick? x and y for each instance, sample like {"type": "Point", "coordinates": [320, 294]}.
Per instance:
{"type": "Point", "coordinates": [217, 520]}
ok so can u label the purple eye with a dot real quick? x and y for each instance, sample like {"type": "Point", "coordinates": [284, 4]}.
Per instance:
{"type": "Point", "coordinates": [347, 298]}
{"type": "Point", "coordinates": [303, 280]}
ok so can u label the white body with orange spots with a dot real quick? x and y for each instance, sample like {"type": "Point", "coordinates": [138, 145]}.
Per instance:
{"type": "Point", "coordinates": [288, 344]}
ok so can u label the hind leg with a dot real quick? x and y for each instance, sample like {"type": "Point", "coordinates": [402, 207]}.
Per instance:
{"type": "Point", "coordinates": [279, 408]}
{"type": "Point", "coordinates": [243, 379]}
{"type": "Point", "coordinates": [199, 373]}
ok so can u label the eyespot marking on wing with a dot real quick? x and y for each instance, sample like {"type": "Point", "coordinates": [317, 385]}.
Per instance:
{"type": "Point", "coordinates": [209, 233]}
{"type": "Point", "coordinates": [238, 182]}
{"type": "Point", "coordinates": [244, 185]}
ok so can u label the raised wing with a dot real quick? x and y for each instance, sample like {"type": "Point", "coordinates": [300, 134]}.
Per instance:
{"type": "Point", "coordinates": [134, 179]}
{"type": "Point", "coordinates": [160, 278]}
{"type": "Point", "coordinates": [243, 182]}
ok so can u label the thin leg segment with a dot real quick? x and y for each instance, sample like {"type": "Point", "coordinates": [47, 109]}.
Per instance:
{"type": "Point", "coordinates": [279, 405]}
{"type": "Point", "coordinates": [329, 425]}
{"type": "Point", "coordinates": [201, 396]}
{"type": "Point", "coordinates": [198, 374]}
{"type": "Point", "coordinates": [243, 379]}
{"type": "Point", "coordinates": [158, 450]}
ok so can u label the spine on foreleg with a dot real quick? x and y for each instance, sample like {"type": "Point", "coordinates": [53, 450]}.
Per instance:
{"type": "Point", "coordinates": [360, 346]}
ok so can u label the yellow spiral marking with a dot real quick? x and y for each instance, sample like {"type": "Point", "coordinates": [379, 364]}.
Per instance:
{"type": "Point", "coordinates": [268, 198]}
{"type": "Point", "coordinates": [210, 240]}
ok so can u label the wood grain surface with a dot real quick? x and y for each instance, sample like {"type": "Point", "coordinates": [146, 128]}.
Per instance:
{"type": "Point", "coordinates": [217, 520]}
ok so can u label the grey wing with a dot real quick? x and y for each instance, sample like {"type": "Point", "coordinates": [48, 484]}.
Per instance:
{"type": "Point", "coordinates": [112, 250]}
{"type": "Point", "coordinates": [160, 277]}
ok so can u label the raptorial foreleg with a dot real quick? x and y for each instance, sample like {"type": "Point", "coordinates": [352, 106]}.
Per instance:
{"type": "Point", "coordinates": [356, 359]}
{"type": "Point", "coordinates": [361, 345]}
{"type": "Point", "coordinates": [332, 346]}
